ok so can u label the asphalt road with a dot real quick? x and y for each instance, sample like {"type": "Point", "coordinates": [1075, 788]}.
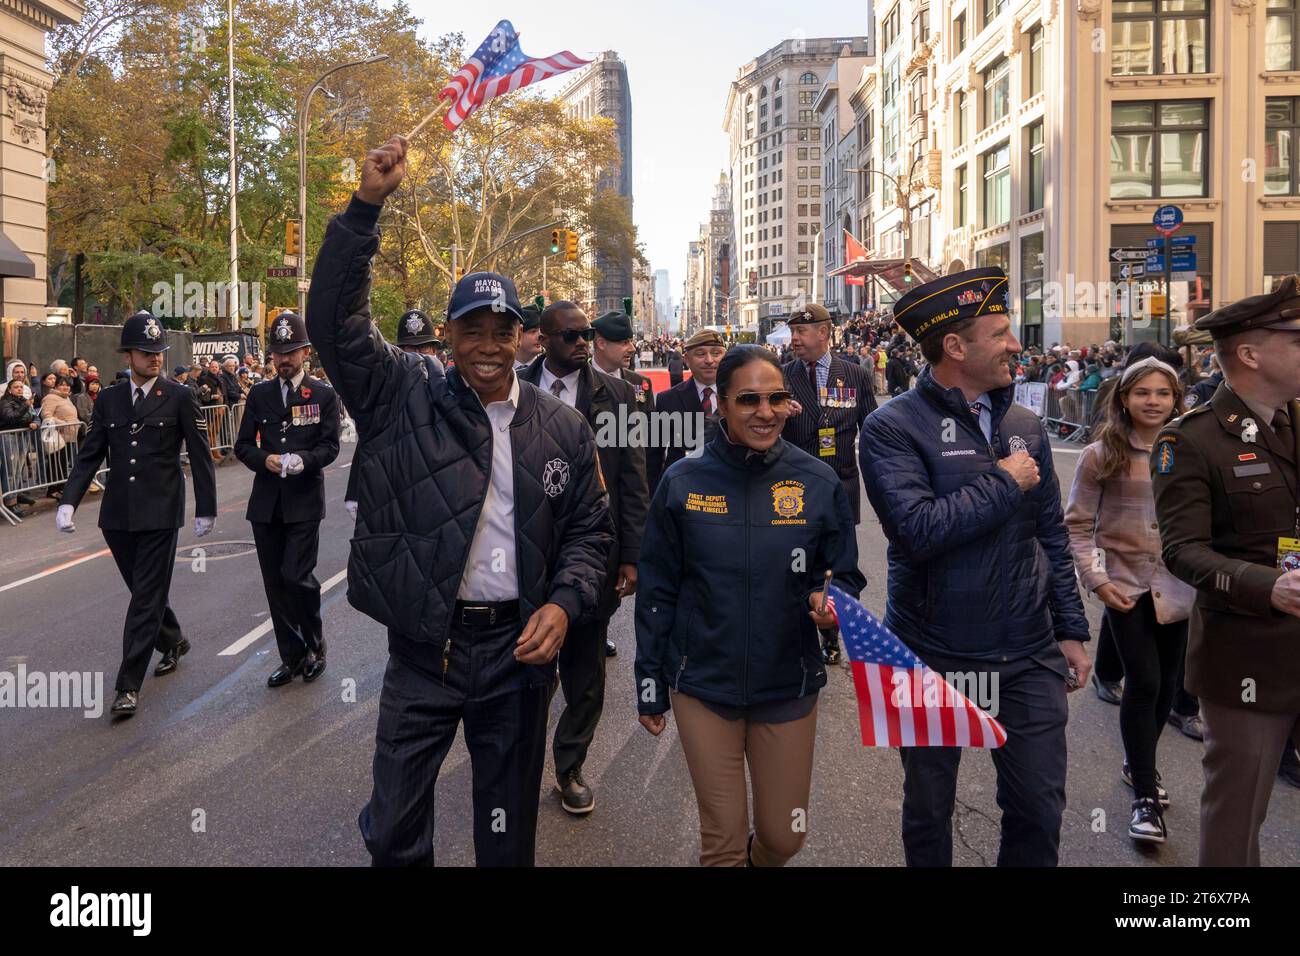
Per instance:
{"type": "Point", "coordinates": [218, 769]}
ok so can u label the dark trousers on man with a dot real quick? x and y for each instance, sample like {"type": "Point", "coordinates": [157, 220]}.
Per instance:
{"type": "Point", "coordinates": [145, 560]}
{"type": "Point", "coordinates": [504, 710]}
{"type": "Point", "coordinates": [1030, 694]}
{"type": "Point", "coordinates": [582, 677]}
{"type": "Point", "coordinates": [287, 554]}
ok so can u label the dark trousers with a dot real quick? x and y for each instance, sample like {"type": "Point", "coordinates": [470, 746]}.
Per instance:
{"type": "Point", "coordinates": [582, 676]}
{"type": "Point", "coordinates": [1151, 652]}
{"type": "Point", "coordinates": [1108, 666]}
{"type": "Point", "coordinates": [420, 708]}
{"type": "Point", "coordinates": [1030, 768]}
{"type": "Point", "coordinates": [287, 555]}
{"type": "Point", "coordinates": [145, 560]}
{"type": "Point", "coordinates": [1184, 703]}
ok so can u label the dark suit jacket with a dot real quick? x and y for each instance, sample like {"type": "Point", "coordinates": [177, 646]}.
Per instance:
{"type": "Point", "coordinates": [676, 367]}
{"type": "Point", "coordinates": [645, 401]}
{"type": "Point", "coordinates": [801, 430]}
{"type": "Point", "coordinates": [684, 399]}
{"type": "Point", "coordinates": [145, 487]}
{"type": "Point", "coordinates": [623, 468]}
{"type": "Point", "coordinates": [302, 496]}
{"type": "Point", "coordinates": [232, 394]}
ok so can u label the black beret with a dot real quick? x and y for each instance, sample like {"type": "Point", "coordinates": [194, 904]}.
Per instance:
{"type": "Point", "coordinates": [614, 326]}
{"type": "Point", "coordinates": [1279, 309]}
{"type": "Point", "coordinates": [932, 307]}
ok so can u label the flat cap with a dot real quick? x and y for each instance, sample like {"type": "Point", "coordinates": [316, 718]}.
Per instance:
{"type": "Point", "coordinates": [930, 308]}
{"type": "Point", "coordinates": [810, 313]}
{"type": "Point", "coordinates": [614, 326]}
{"type": "Point", "coordinates": [704, 337]}
{"type": "Point", "coordinates": [1279, 309]}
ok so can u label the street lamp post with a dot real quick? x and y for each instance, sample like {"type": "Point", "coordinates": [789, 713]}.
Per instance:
{"type": "Point", "coordinates": [903, 201]}
{"type": "Point", "coordinates": [302, 172]}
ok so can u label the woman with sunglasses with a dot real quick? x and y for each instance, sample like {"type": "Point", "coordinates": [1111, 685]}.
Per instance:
{"type": "Point", "coordinates": [1111, 519]}
{"type": "Point", "coordinates": [733, 561]}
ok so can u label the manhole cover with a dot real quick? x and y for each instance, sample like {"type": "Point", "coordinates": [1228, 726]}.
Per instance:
{"type": "Point", "coordinates": [216, 550]}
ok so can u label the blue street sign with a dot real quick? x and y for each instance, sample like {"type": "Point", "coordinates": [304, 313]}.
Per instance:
{"type": "Point", "coordinates": [1155, 263]}
{"type": "Point", "coordinates": [1159, 243]}
{"type": "Point", "coordinates": [1182, 262]}
{"type": "Point", "coordinates": [1167, 219]}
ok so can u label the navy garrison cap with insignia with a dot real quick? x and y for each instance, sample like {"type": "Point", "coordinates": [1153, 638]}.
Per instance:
{"type": "Point", "coordinates": [1279, 309]}
{"type": "Point", "coordinates": [143, 332]}
{"type": "Point", "coordinates": [614, 326]}
{"type": "Point", "coordinates": [288, 333]}
{"type": "Point", "coordinates": [531, 317]}
{"type": "Point", "coordinates": [809, 314]}
{"type": "Point", "coordinates": [416, 328]}
{"type": "Point", "coordinates": [932, 307]}
{"type": "Point", "coordinates": [484, 290]}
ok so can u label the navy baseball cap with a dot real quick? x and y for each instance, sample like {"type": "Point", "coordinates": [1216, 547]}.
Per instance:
{"type": "Point", "coordinates": [484, 290]}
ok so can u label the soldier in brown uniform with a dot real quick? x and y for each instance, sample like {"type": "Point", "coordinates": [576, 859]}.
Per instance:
{"type": "Point", "coordinates": [1227, 487]}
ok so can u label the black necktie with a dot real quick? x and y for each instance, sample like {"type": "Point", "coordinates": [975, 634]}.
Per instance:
{"type": "Point", "coordinates": [139, 394]}
{"type": "Point", "coordinates": [1282, 425]}
{"type": "Point", "coordinates": [812, 380]}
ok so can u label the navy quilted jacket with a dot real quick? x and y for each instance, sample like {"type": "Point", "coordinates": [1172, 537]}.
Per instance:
{"type": "Point", "coordinates": [428, 456]}
{"type": "Point", "coordinates": [977, 568]}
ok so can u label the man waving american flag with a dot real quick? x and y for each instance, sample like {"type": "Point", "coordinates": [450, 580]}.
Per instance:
{"type": "Point", "coordinates": [499, 66]}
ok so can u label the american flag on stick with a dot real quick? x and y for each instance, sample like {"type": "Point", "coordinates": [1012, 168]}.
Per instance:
{"type": "Point", "coordinates": [901, 702]}
{"type": "Point", "coordinates": [498, 66]}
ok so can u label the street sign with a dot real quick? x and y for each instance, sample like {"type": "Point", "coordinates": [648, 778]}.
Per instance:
{"type": "Point", "coordinates": [276, 272]}
{"type": "Point", "coordinates": [1182, 275]}
{"type": "Point", "coordinates": [1175, 241]}
{"type": "Point", "coordinates": [1132, 270]}
{"type": "Point", "coordinates": [1127, 253]}
{"type": "Point", "coordinates": [1182, 262]}
{"type": "Point", "coordinates": [1167, 220]}
{"type": "Point", "coordinates": [304, 285]}
{"type": "Point", "coordinates": [1155, 263]}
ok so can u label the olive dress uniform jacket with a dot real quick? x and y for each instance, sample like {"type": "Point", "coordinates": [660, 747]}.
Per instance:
{"type": "Point", "coordinates": [308, 427]}
{"type": "Point", "coordinates": [145, 488]}
{"type": "Point", "coordinates": [1222, 503]}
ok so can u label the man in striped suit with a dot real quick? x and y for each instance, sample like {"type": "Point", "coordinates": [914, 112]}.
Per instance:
{"type": "Point", "coordinates": [836, 397]}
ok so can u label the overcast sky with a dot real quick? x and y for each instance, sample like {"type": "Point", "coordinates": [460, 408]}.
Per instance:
{"type": "Point", "coordinates": [681, 57]}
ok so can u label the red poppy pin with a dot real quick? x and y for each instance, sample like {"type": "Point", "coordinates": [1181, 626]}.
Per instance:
{"type": "Point", "coordinates": [306, 393]}
{"type": "Point", "coordinates": [157, 391]}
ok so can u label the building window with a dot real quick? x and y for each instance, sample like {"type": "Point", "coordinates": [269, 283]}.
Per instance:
{"type": "Point", "coordinates": [959, 33]}
{"type": "Point", "coordinates": [1036, 61]}
{"type": "Point", "coordinates": [806, 97]}
{"type": "Point", "coordinates": [921, 26]}
{"type": "Point", "coordinates": [802, 153]}
{"type": "Point", "coordinates": [997, 91]}
{"type": "Point", "coordinates": [917, 94]}
{"type": "Point", "coordinates": [1281, 48]}
{"type": "Point", "coordinates": [808, 79]}
{"type": "Point", "coordinates": [963, 196]}
{"type": "Point", "coordinates": [1160, 36]}
{"type": "Point", "coordinates": [992, 8]}
{"type": "Point", "coordinates": [961, 122]}
{"type": "Point", "coordinates": [1281, 134]}
{"type": "Point", "coordinates": [997, 186]}
{"type": "Point", "coordinates": [815, 192]}
{"type": "Point", "coordinates": [1031, 290]}
{"type": "Point", "coordinates": [806, 116]}
{"type": "Point", "coordinates": [1036, 168]}
{"type": "Point", "coordinates": [1281, 251]}
{"type": "Point", "coordinates": [891, 27]}
{"type": "Point", "coordinates": [1159, 149]}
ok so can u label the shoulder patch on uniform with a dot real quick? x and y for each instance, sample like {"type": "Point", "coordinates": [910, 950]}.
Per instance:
{"type": "Point", "coordinates": [1165, 457]}
{"type": "Point", "coordinates": [1190, 401]}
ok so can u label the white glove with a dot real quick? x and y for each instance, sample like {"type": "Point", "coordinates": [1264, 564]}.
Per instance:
{"type": "Point", "coordinates": [63, 518]}
{"type": "Point", "coordinates": [202, 526]}
{"type": "Point", "coordinates": [290, 464]}
{"type": "Point", "coordinates": [352, 508]}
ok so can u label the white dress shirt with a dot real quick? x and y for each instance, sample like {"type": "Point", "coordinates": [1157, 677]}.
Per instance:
{"type": "Point", "coordinates": [570, 394]}
{"type": "Point", "coordinates": [145, 389]}
{"type": "Point", "coordinates": [293, 384]}
{"type": "Point", "coordinates": [491, 572]}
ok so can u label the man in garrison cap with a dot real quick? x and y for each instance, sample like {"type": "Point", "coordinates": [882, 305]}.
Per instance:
{"type": "Point", "coordinates": [1227, 486]}
{"type": "Point", "coordinates": [288, 435]}
{"type": "Point", "coordinates": [530, 337]}
{"type": "Point", "coordinates": [139, 425]}
{"type": "Point", "coordinates": [694, 396]}
{"type": "Point", "coordinates": [612, 353]}
{"type": "Point", "coordinates": [981, 581]}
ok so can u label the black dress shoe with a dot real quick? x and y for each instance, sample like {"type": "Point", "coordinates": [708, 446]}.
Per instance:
{"type": "Point", "coordinates": [1189, 725]}
{"type": "Point", "coordinates": [610, 649]}
{"type": "Point", "coordinates": [285, 673]}
{"type": "Point", "coordinates": [171, 657]}
{"type": "Point", "coordinates": [1289, 770]}
{"type": "Point", "coordinates": [575, 796]}
{"type": "Point", "coordinates": [1107, 690]}
{"type": "Point", "coordinates": [125, 703]}
{"type": "Point", "coordinates": [313, 668]}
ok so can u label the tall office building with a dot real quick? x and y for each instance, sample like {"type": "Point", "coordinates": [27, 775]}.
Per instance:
{"type": "Point", "coordinates": [601, 89]}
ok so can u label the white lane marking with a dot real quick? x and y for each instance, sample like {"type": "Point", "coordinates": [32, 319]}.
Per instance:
{"type": "Point", "coordinates": [265, 627]}
{"type": "Point", "coordinates": [1068, 451]}
{"type": "Point", "coordinates": [54, 570]}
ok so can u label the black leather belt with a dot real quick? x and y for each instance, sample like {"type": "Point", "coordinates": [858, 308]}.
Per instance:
{"type": "Point", "coordinates": [485, 613]}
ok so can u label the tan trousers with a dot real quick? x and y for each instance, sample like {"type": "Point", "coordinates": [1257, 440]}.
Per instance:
{"type": "Point", "coordinates": [1242, 750]}
{"type": "Point", "coordinates": [780, 758]}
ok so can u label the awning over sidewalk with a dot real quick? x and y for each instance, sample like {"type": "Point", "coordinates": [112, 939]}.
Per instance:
{"type": "Point", "coordinates": [13, 261]}
{"type": "Point", "coordinates": [888, 270]}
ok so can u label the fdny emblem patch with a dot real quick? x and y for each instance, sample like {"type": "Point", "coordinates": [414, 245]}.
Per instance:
{"type": "Point", "coordinates": [554, 477]}
{"type": "Point", "coordinates": [1017, 444]}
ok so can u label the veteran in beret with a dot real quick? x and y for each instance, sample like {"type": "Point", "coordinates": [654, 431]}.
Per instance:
{"type": "Point", "coordinates": [1227, 489]}
{"type": "Point", "coordinates": [695, 399]}
{"type": "Point", "coordinates": [981, 580]}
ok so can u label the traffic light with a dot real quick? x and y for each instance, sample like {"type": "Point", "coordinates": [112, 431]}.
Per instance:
{"type": "Point", "coordinates": [627, 305]}
{"type": "Point", "coordinates": [907, 271]}
{"type": "Point", "coordinates": [292, 237]}
{"type": "Point", "coordinates": [540, 302]}
{"type": "Point", "coordinates": [570, 246]}
{"type": "Point", "coordinates": [557, 240]}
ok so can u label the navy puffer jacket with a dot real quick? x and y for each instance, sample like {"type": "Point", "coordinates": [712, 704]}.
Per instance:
{"type": "Point", "coordinates": [977, 568]}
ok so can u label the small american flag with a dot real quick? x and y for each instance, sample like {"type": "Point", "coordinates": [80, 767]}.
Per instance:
{"type": "Point", "coordinates": [901, 702]}
{"type": "Point", "coordinates": [498, 66]}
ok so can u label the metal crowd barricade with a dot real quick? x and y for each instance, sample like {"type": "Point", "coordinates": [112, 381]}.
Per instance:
{"type": "Point", "coordinates": [223, 427]}
{"type": "Point", "coordinates": [37, 459]}
{"type": "Point", "coordinates": [1070, 408]}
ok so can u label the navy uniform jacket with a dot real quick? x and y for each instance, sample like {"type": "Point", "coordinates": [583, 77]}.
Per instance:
{"type": "Point", "coordinates": [145, 487]}
{"type": "Point", "coordinates": [309, 428]}
{"type": "Point", "coordinates": [850, 387]}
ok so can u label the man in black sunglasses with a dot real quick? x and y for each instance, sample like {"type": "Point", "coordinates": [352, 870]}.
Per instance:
{"type": "Point", "coordinates": [566, 372]}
